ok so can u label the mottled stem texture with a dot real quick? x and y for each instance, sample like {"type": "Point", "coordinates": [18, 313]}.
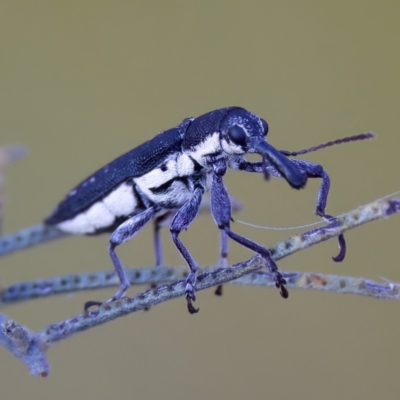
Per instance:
{"type": "Point", "coordinates": [31, 347]}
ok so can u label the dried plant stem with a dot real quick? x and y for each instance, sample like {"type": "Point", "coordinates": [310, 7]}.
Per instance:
{"type": "Point", "coordinates": [31, 347]}
{"type": "Point", "coordinates": [101, 280]}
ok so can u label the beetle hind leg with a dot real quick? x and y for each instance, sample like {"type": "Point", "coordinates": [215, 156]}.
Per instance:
{"type": "Point", "coordinates": [119, 269]}
{"type": "Point", "coordinates": [123, 233]}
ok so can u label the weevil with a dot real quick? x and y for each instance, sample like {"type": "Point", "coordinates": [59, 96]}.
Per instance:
{"type": "Point", "coordinates": [165, 178]}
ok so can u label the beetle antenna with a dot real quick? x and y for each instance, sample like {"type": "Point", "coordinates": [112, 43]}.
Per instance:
{"type": "Point", "coordinates": [361, 136]}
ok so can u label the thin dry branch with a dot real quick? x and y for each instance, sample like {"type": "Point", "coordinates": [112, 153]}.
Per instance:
{"type": "Point", "coordinates": [29, 290]}
{"type": "Point", "coordinates": [105, 279]}
{"type": "Point", "coordinates": [24, 344]}
{"type": "Point", "coordinates": [31, 347]}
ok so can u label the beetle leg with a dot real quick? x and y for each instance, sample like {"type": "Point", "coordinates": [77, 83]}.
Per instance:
{"type": "Point", "coordinates": [223, 257]}
{"type": "Point", "coordinates": [312, 170]}
{"type": "Point", "coordinates": [241, 164]}
{"type": "Point", "coordinates": [160, 222]}
{"type": "Point", "coordinates": [221, 211]}
{"type": "Point", "coordinates": [182, 219]}
{"type": "Point", "coordinates": [157, 242]}
{"type": "Point", "coordinates": [123, 233]}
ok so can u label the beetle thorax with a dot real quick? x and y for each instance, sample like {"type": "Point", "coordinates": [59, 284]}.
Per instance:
{"type": "Point", "coordinates": [211, 145]}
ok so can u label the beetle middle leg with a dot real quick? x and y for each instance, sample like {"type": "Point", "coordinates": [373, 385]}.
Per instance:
{"type": "Point", "coordinates": [165, 219]}
{"type": "Point", "coordinates": [159, 223]}
{"type": "Point", "coordinates": [182, 219]}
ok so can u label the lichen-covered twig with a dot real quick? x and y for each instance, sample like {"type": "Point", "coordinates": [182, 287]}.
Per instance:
{"type": "Point", "coordinates": [301, 280]}
{"type": "Point", "coordinates": [143, 301]}
{"type": "Point", "coordinates": [24, 344]}
{"type": "Point", "coordinates": [339, 284]}
{"type": "Point", "coordinates": [30, 347]}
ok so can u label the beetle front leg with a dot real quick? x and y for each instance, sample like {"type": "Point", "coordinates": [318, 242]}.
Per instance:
{"type": "Point", "coordinates": [312, 170]}
{"type": "Point", "coordinates": [221, 211]}
{"type": "Point", "coordinates": [182, 219]}
{"type": "Point", "coordinates": [317, 171]}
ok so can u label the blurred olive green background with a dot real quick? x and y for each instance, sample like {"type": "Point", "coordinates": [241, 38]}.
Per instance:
{"type": "Point", "coordinates": [82, 82]}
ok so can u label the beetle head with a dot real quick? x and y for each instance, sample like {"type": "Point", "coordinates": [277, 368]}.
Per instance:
{"type": "Point", "coordinates": [244, 132]}
{"type": "Point", "coordinates": [239, 129]}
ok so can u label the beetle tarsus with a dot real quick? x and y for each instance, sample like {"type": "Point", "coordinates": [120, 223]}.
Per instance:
{"type": "Point", "coordinates": [341, 240]}
{"type": "Point", "coordinates": [342, 246]}
{"type": "Point", "coordinates": [90, 304]}
{"type": "Point", "coordinates": [191, 308]}
{"type": "Point", "coordinates": [283, 291]}
{"type": "Point", "coordinates": [218, 290]}
{"type": "Point", "coordinates": [280, 283]}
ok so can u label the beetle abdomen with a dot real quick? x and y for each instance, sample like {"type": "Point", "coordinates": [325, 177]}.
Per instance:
{"type": "Point", "coordinates": [102, 215]}
{"type": "Point", "coordinates": [134, 163]}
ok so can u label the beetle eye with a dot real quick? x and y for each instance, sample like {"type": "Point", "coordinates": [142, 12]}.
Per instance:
{"type": "Point", "coordinates": [265, 126]}
{"type": "Point", "coordinates": [237, 135]}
